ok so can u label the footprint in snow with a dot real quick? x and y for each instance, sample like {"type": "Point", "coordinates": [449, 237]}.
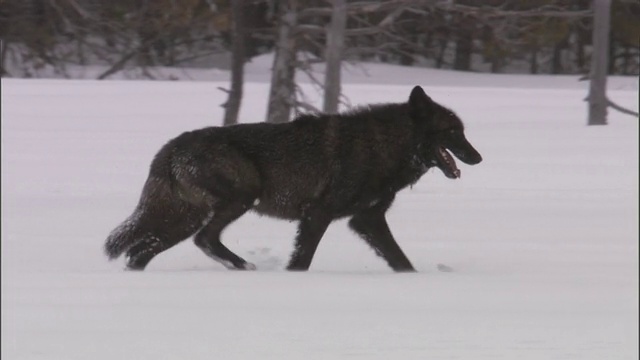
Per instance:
{"type": "Point", "coordinates": [264, 260]}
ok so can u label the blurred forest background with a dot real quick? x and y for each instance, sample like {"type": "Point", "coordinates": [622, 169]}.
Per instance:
{"type": "Point", "coordinates": [499, 36]}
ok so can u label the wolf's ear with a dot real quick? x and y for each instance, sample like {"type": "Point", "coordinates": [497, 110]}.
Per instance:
{"type": "Point", "coordinates": [419, 103]}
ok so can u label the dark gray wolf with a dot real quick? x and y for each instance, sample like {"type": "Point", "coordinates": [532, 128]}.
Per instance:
{"type": "Point", "coordinates": [315, 169]}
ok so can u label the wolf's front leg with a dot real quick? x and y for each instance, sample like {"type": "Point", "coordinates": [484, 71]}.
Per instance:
{"type": "Point", "coordinates": [310, 231]}
{"type": "Point", "coordinates": [372, 226]}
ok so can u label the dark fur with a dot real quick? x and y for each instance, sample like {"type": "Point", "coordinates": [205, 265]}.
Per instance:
{"type": "Point", "coordinates": [315, 169]}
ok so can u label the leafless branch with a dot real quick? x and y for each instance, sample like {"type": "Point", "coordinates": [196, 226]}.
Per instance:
{"type": "Point", "coordinates": [622, 109]}
{"type": "Point", "coordinates": [119, 65]}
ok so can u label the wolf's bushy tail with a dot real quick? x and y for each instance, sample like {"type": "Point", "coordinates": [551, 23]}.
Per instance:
{"type": "Point", "coordinates": [156, 187]}
{"type": "Point", "coordinates": [162, 216]}
{"type": "Point", "coordinates": [123, 237]}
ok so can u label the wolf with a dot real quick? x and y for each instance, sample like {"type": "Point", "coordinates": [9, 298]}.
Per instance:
{"type": "Point", "coordinates": [314, 170]}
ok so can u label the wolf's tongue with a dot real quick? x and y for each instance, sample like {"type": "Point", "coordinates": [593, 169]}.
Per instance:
{"type": "Point", "coordinates": [449, 162]}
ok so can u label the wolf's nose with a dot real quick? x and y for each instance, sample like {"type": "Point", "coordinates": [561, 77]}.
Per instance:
{"type": "Point", "coordinates": [477, 160]}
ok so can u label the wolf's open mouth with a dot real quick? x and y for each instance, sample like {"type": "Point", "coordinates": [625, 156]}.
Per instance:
{"type": "Point", "coordinates": [447, 164]}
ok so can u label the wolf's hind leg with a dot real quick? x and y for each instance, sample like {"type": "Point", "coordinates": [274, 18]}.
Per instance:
{"type": "Point", "coordinates": [140, 254]}
{"type": "Point", "coordinates": [208, 239]}
{"type": "Point", "coordinates": [161, 230]}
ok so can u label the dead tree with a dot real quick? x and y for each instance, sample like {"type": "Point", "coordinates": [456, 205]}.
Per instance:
{"type": "Point", "coordinates": [282, 91]}
{"type": "Point", "coordinates": [599, 63]}
{"type": "Point", "coordinates": [333, 56]}
{"type": "Point", "coordinates": [232, 106]}
{"type": "Point", "coordinates": [284, 94]}
{"type": "Point", "coordinates": [597, 98]}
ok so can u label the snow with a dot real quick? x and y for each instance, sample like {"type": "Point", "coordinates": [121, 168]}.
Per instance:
{"type": "Point", "coordinates": [542, 236]}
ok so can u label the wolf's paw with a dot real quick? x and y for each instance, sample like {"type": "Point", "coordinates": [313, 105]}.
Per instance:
{"type": "Point", "coordinates": [249, 266]}
{"type": "Point", "coordinates": [245, 266]}
{"type": "Point", "coordinates": [134, 269]}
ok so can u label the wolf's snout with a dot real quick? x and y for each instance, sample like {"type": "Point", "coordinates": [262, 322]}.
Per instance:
{"type": "Point", "coordinates": [468, 156]}
{"type": "Point", "coordinates": [475, 159]}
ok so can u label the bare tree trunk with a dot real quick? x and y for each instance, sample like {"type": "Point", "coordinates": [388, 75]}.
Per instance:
{"type": "Point", "coordinates": [497, 62]}
{"type": "Point", "coordinates": [462, 59]}
{"type": "Point", "coordinates": [612, 56]}
{"type": "Point", "coordinates": [580, 57]}
{"type": "Point", "coordinates": [333, 56]}
{"type": "Point", "coordinates": [282, 91]}
{"type": "Point", "coordinates": [442, 47]}
{"type": "Point", "coordinates": [556, 59]}
{"type": "Point", "coordinates": [232, 106]}
{"type": "Point", "coordinates": [533, 68]}
{"type": "Point", "coordinates": [626, 61]}
{"type": "Point", "coordinates": [599, 63]}
{"type": "Point", "coordinates": [3, 52]}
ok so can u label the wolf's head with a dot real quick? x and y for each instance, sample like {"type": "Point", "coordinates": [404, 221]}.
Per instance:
{"type": "Point", "coordinates": [439, 131]}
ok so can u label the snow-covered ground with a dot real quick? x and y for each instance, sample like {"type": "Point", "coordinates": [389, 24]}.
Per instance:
{"type": "Point", "coordinates": [542, 235]}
